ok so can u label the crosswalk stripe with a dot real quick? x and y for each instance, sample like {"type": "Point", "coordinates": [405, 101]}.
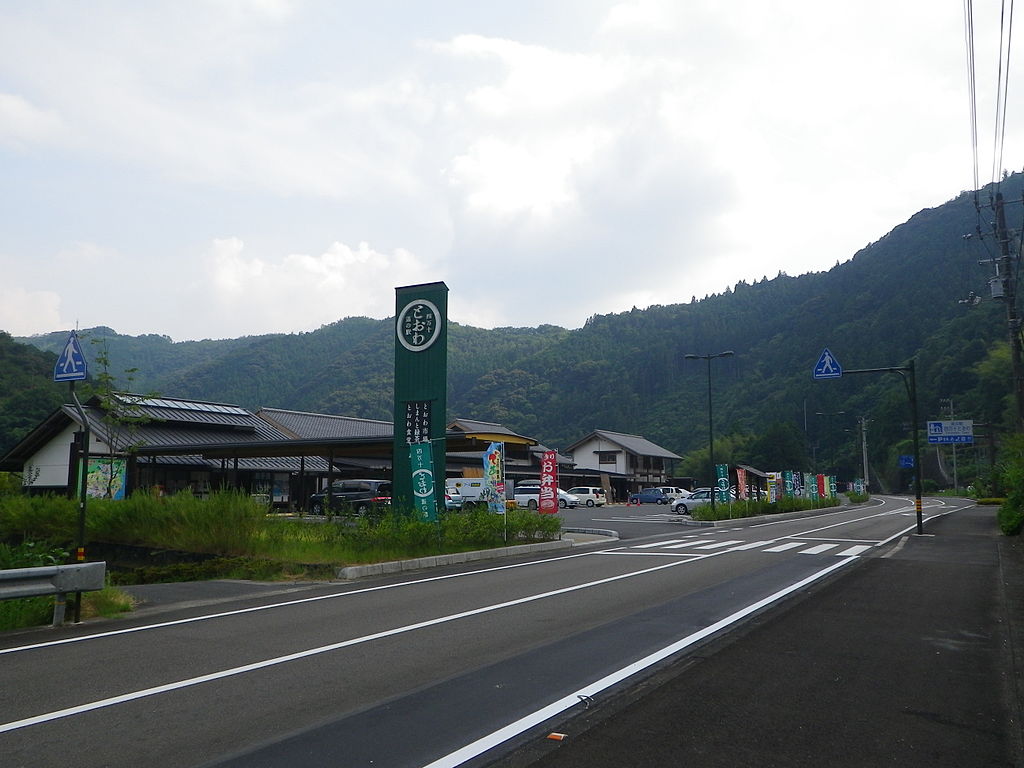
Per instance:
{"type": "Point", "coordinates": [754, 544]}
{"type": "Point", "coordinates": [784, 547]}
{"type": "Point", "coordinates": [853, 550]}
{"type": "Point", "coordinates": [720, 544]}
{"type": "Point", "coordinates": [818, 549]}
{"type": "Point", "coordinates": [657, 544]}
{"type": "Point", "coordinates": [690, 544]}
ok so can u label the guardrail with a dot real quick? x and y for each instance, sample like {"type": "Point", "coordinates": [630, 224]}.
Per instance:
{"type": "Point", "coordinates": [52, 580]}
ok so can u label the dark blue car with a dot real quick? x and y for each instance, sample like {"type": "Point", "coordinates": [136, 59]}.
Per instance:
{"type": "Point", "coordinates": [649, 495]}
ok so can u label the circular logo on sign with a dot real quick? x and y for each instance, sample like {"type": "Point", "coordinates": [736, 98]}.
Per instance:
{"type": "Point", "coordinates": [418, 325]}
{"type": "Point", "coordinates": [423, 483]}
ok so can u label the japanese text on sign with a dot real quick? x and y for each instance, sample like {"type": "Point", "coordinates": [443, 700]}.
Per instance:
{"type": "Point", "coordinates": [548, 498]}
{"type": "Point", "coordinates": [418, 326]}
{"type": "Point", "coordinates": [417, 421]}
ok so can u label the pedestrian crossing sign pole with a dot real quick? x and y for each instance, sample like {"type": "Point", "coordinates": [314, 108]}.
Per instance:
{"type": "Point", "coordinates": [71, 367]}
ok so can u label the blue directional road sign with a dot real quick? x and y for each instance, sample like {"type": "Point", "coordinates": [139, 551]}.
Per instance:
{"type": "Point", "coordinates": [827, 367]}
{"type": "Point", "coordinates": [71, 365]}
{"type": "Point", "coordinates": [951, 432]}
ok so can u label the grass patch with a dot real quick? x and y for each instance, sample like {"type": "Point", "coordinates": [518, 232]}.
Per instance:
{"type": "Point", "coordinates": [255, 545]}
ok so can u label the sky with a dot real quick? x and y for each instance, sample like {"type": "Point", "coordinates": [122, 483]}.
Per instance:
{"type": "Point", "coordinates": [223, 168]}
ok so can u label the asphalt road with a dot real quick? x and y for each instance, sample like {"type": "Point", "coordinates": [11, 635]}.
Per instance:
{"type": "Point", "coordinates": [445, 667]}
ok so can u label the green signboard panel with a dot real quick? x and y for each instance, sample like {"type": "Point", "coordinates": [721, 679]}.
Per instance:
{"type": "Point", "coordinates": [421, 463]}
{"type": "Point", "coordinates": [421, 383]}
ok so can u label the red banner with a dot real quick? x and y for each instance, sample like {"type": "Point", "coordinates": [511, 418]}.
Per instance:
{"type": "Point", "coordinates": [548, 503]}
{"type": "Point", "coordinates": [823, 487]}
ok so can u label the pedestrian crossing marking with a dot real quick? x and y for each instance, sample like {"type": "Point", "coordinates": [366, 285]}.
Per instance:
{"type": "Point", "coordinates": [670, 547]}
{"type": "Point", "coordinates": [784, 547]}
{"type": "Point", "coordinates": [818, 549]}
{"type": "Point", "coordinates": [853, 551]}
{"type": "Point", "coordinates": [658, 544]}
{"type": "Point", "coordinates": [690, 544]}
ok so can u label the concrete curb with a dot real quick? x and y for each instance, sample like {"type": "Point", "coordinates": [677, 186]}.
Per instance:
{"type": "Point", "coordinates": [397, 566]}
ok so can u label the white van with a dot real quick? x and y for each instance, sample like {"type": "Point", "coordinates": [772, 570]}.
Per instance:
{"type": "Point", "coordinates": [590, 495]}
{"type": "Point", "coordinates": [470, 488]}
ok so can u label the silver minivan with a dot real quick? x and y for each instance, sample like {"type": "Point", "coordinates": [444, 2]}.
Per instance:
{"type": "Point", "coordinates": [589, 495]}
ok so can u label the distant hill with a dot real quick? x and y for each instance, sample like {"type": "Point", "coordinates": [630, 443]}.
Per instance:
{"type": "Point", "coordinates": [896, 298]}
{"type": "Point", "coordinates": [28, 393]}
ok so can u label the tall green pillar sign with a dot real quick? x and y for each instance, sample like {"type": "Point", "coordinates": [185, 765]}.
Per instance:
{"type": "Point", "coordinates": [421, 385]}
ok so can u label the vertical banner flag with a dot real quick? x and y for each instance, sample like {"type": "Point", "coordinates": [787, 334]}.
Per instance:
{"type": "Point", "coordinates": [548, 504]}
{"type": "Point", "coordinates": [722, 483]}
{"type": "Point", "coordinates": [421, 385]}
{"type": "Point", "coordinates": [494, 478]}
{"type": "Point", "coordinates": [788, 486]}
{"type": "Point", "coordinates": [741, 483]}
{"type": "Point", "coordinates": [421, 463]}
{"type": "Point", "coordinates": [822, 487]}
{"type": "Point", "coordinates": [810, 486]}
{"type": "Point", "coordinates": [773, 487]}
{"type": "Point", "coordinates": [832, 483]}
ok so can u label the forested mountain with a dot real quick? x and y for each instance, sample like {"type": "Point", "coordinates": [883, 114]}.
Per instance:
{"type": "Point", "coordinates": [27, 391]}
{"type": "Point", "coordinates": [897, 298]}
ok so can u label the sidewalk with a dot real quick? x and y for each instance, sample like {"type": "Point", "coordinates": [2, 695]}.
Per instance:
{"type": "Point", "coordinates": [914, 658]}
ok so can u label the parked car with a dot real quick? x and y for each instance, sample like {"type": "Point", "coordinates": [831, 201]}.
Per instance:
{"type": "Point", "coordinates": [648, 496]}
{"type": "Point", "coordinates": [589, 495]}
{"type": "Point", "coordinates": [452, 500]}
{"type": "Point", "coordinates": [529, 496]}
{"type": "Point", "coordinates": [361, 497]}
{"type": "Point", "coordinates": [672, 492]}
{"type": "Point", "coordinates": [697, 498]}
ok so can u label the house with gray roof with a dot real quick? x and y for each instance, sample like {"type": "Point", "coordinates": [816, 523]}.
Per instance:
{"type": "Point", "coordinates": [630, 462]}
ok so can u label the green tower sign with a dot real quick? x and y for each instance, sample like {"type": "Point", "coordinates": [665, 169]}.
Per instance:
{"type": "Point", "coordinates": [421, 404]}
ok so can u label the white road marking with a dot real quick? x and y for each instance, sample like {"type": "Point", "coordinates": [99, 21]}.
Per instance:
{"type": "Point", "coordinates": [853, 551]}
{"type": "Point", "coordinates": [784, 547]}
{"type": "Point", "coordinates": [754, 545]}
{"type": "Point", "coordinates": [275, 661]}
{"type": "Point", "coordinates": [690, 544]}
{"type": "Point", "coordinates": [478, 747]}
{"type": "Point", "coordinates": [719, 544]}
{"type": "Point", "coordinates": [657, 544]}
{"type": "Point", "coordinates": [818, 549]}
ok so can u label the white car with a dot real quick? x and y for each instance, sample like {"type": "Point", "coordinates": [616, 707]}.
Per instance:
{"type": "Point", "coordinates": [699, 497]}
{"type": "Point", "coordinates": [590, 495]}
{"type": "Point", "coordinates": [529, 496]}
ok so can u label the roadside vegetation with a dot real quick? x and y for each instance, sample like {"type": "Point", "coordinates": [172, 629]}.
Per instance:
{"type": "Point", "coordinates": [1010, 478]}
{"type": "Point", "coordinates": [228, 535]}
{"type": "Point", "coordinates": [752, 507]}
{"type": "Point", "coordinates": [230, 525]}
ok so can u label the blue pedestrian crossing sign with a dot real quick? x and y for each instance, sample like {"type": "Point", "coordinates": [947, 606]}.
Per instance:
{"type": "Point", "coordinates": [71, 364]}
{"type": "Point", "coordinates": [827, 367]}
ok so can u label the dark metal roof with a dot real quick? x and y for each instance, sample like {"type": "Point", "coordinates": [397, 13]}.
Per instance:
{"type": "Point", "coordinates": [635, 444]}
{"type": "Point", "coordinates": [299, 424]}
{"type": "Point", "coordinates": [331, 448]}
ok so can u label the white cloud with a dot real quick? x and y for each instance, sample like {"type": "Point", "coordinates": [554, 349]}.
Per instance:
{"type": "Point", "coordinates": [23, 123]}
{"type": "Point", "coordinates": [24, 312]}
{"type": "Point", "coordinates": [253, 294]}
{"type": "Point", "coordinates": [640, 152]}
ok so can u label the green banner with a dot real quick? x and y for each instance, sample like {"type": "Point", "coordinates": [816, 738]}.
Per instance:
{"type": "Point", "coordinates": [421, 384]}
{"type": "Point", "coordinates": [722, 483]}
{"type": "Point", "coordinates": [421, 464]}
{"type": "Point", "coordinates": [788, 485]}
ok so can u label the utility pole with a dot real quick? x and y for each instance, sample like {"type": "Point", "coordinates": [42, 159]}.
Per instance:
{"type": "Point", "coordinates": [864, 449]}
{"type": "Point", "coordinates": [1004, 286]}
{"type": "Point", "coordinates": [956, 483]}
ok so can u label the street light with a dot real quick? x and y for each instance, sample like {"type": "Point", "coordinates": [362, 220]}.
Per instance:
{"type": "Point", "coordinates": [711, 429]}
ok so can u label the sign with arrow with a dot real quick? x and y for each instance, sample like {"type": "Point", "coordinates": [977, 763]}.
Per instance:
{"type": "Point", "coordinates": [71, 365]}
